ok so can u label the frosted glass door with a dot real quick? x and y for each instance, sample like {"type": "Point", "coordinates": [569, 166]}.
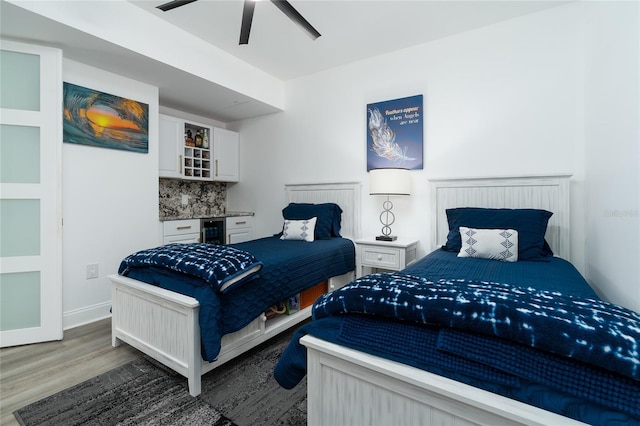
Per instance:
{"type": "Point", "coordinates": [30, 212]}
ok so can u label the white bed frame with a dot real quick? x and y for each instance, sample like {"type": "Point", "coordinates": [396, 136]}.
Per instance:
{"type": "Point", "coordinates": [349, 387]}
{"type": "Point", "coordinates": [164, 324]}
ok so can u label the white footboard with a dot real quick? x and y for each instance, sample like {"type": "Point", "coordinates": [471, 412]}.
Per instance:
{"type": "Point", "coordinates": [349, 387]}
{"type": "Point", "coordinates": [160, 323]}
{"type": "Point", "coordinates": [164, 325]}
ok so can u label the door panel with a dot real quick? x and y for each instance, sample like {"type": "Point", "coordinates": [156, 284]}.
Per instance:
{"type": "Point", "coordinates": [20, 79]}
{"type": "Point", "coordinates": [20, 228]}
{"type": "Point", "coordinates": [19, 154]}
{"type": "Point", "coordinates": [20, 301]}
{"type": "Point", "coordinates": [30, 207]}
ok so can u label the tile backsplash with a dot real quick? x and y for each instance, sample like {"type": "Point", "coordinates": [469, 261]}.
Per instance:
{"type": "Point", "coordinates": [205, 199]}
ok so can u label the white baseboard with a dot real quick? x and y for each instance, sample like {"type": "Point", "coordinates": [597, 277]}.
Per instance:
{"type": "Point", "coordinates": [89, 314]}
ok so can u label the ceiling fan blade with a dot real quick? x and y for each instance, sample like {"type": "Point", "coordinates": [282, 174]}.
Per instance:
{"type": "Point", "coordinates": [247, 18]}
{"type": "Point", "coordinates": [295, 16]}
{"type": "Point", "coordinates": [173, 4]}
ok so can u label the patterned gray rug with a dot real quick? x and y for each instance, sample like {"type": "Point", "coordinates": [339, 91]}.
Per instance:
{"type": "Point", "coordinates": [142, 392]}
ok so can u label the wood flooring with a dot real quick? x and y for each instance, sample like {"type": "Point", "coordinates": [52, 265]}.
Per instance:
{"type": "Point", "coordinates": [31, 372]}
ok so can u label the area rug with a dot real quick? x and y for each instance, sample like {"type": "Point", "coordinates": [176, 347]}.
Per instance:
{"type": "Point", "coordinates": [142, 392]}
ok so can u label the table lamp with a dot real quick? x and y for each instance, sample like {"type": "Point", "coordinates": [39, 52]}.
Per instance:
{"type": "Point", "coordinates": [391, 181]}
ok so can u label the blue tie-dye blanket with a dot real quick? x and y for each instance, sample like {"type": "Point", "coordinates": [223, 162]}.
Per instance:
{"type": "Point", "coordinates": [589, 330]}
{"type": "Point", "coordinates": [221, 267]}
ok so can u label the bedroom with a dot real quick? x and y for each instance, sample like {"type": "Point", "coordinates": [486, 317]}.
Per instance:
{"type": "Point", "coordinates": [546, 83]}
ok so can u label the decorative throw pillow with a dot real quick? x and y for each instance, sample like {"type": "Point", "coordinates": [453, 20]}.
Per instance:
{"type": "Point", "coordinates": [328, 217]}
{"type": "Point", "coordinates": [496, 244]}
{"type": "Point", "coordinates": [301, 230]}
{"type": "Point", "coordinates": [531, 225]}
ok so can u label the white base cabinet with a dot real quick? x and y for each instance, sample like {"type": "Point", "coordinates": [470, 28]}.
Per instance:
{"type": "Point", "coordinates": [239, 229]}
{"type": "Point", "coordinates": [181, 231]}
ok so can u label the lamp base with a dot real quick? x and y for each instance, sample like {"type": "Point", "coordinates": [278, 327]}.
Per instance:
{"type": "Point", "coordinates": [386, 238]}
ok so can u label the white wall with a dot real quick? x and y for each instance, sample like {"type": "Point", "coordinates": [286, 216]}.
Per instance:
{"type": "Point", "coordinates": [110, 202]}
{"type": "Point", "coordinates": [508, 99]}
{"type": "Point", "coordinates": [551, 92]}
{"type": "Point", "coordinates": [496, 102]}
{"type": "Point", "coordinates": [612, 118]}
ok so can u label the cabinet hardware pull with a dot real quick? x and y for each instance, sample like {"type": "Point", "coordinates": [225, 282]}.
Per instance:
{"type": "Point", "coordinates": [216, 168]}
{"type": "Point", "coordinates": [180, 161]}
{"type": "Point", "coordinates": [184, 227]}
{"type": "Point", "coordinates": [241, 223]}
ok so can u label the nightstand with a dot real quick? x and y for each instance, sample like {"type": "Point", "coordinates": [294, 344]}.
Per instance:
{"type": "Point", "coordinates": [389, 255]}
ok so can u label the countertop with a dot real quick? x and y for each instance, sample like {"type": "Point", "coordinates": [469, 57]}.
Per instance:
{"type": "Point", "coordinates": [211, 216]}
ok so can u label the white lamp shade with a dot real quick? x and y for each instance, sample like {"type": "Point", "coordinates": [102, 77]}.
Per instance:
{"type": "Point", "coordinates": [389, 182]}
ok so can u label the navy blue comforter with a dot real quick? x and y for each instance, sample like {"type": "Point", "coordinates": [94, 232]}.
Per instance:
{"type": "Point", "coordinates": [288, 268]}
{"type": "Point", "coordinates": [537, 334]}
{"type": "Point", "coordinates": [586, 329]}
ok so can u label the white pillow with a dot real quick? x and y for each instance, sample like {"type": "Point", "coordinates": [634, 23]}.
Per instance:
{"type": "Point", "coordinates": [497, 244]}
{"type": "Point", "coordinates": [300, 230]}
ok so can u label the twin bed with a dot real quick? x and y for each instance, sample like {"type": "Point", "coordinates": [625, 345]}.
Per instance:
{"type": "Point", "coordinates": [449, 340]}
{"type": "Point", "coordinates": [464, 340]}
{"type": "Point", "coordinates": [195, 322]}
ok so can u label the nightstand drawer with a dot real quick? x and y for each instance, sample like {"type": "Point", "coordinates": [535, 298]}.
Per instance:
{"type": "Point", "coordinates": [390, 255]}
{"type": "Point", "coordinates": [380, 257]}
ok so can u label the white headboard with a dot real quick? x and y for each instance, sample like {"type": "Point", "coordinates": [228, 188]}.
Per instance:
{"type": "Point", "coordinates": [540, 192]}
{"type": "Point", "coordinates": [346, 195]}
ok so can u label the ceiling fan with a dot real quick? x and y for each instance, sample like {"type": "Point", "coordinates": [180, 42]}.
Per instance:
{"type": "Point", "coordinates": [247, 16]}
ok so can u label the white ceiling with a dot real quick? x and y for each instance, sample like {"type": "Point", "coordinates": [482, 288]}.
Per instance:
{"type": "Point", "coordinates": [351, 31]}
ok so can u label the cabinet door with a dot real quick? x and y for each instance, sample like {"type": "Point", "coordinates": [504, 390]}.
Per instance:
{"type": "Point", "coordinates": [171, 141]}
{"type": "Point", "coordinates": [239, 229]}
{"type": "Point", "coordinates": [226, 154]}
{"type": "Point", "coordinates": [239, 235]}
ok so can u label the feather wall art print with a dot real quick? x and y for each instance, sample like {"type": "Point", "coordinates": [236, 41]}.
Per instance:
{"type": "Point", "coordinates": [394, 134]}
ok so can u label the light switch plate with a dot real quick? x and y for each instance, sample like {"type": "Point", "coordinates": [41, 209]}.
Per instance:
{"type": "Point", "coordinates": [92, 271]}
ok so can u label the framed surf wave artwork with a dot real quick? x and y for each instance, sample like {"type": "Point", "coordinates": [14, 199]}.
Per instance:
{"type": "Point", "coordinates": [104, 120]}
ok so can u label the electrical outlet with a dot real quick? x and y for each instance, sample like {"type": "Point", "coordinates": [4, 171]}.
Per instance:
{"type": "Point", "coordinates": [185, 199]}
{"type": "Point", "coordinates": [92, 271]}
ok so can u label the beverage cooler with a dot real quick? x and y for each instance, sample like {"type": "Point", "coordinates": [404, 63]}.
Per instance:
{"type": "Point", "coordinates": [213, 231]}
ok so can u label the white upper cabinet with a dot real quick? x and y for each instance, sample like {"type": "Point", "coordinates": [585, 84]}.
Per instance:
{"type": "Point", "coordinates": [170, 157]}
{"type": "Point", "coordinates": [226, 154]}
{"type": "Point", "coordinates": [195, 151]}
